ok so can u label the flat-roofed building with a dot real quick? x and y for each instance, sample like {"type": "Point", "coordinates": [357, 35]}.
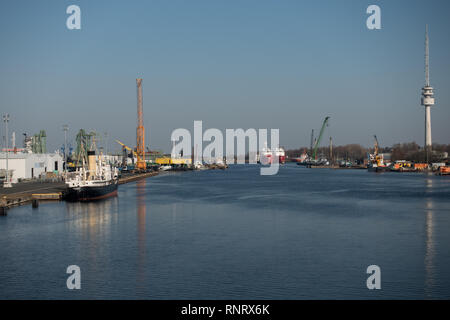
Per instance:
{"type": "Point", "coordinates": [31, 165]}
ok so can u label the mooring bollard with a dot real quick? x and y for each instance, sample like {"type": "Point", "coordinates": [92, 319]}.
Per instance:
{"type": "Point", "coordinates": [3, 211]}
{"type": "Point", "coordinates": [35, 203]}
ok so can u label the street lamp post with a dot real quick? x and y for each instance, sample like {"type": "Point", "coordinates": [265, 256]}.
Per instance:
{"type": "Point", "coordinates": [7, 183]}
{"type": "Point", "coordinates": [106, 143]}
{"type": "Point", "coordinates": [65, 128]}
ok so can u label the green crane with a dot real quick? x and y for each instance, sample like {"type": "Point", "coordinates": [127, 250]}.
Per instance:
{"type": "Point", "coordinates": [39, 142]}
{"type": "Point", "coordinates": [316, 146]}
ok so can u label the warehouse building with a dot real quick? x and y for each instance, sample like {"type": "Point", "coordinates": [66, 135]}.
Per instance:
{"type": "Point", "coordinates": [31, 165]}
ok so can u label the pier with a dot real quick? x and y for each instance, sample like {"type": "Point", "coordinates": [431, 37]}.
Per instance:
{"type": "Point", "coordinates": [138, 176]}
{"type": "Point", "coordinates": [25, 192]}
{"type": "Point", "coordinates": [33, 192]}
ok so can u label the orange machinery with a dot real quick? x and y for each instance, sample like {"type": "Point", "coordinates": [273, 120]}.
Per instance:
{"type": "Point", "coordinates": [420, 166]}
{"type": "Point", "coordinates": [443, 171]}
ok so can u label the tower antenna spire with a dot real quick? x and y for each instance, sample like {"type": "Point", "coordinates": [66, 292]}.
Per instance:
{"type": "Point", "coordinates": [427, 59]}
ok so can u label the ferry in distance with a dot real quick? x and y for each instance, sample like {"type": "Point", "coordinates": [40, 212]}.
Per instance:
{"type": "Point", "coordinates": [267, 155]}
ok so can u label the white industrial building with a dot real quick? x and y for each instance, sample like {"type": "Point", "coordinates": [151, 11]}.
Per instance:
{"type": "Point", "coordinates": [31, 165]}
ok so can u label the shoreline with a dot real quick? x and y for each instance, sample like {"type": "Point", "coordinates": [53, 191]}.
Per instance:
{"type": "Point", "coordinates": [26, 192]}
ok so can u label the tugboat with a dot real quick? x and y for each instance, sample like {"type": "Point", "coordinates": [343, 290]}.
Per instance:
{"type": "Point", "coordinates": [98, 181]}
{"type": "Point", "coordinates": [302, 160]}
{"type": "Point", "coordinates": [376, 164]}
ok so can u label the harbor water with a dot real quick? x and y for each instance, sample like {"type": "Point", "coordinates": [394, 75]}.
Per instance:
{"type": "Point", "coordinates": [234, 234]}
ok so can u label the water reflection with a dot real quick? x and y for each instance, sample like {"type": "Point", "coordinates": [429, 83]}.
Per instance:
{"type": "Point", "coordinates": [141, 221]}
{"type": "Point", "coordinates": [93, 221]}
{"type": "Point", "coordinates": [430, 246]}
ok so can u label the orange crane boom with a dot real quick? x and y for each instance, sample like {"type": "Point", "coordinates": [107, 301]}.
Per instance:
{"type": "Point", "coordinates": [140, 149]}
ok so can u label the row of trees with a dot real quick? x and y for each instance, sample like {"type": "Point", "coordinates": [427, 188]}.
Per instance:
{"type": "Point", "coordinates": [349, 151]}
{"type": "Point", "coordinates": [413, 152]}
{"type": "Point", "coordinates": [410, 151]}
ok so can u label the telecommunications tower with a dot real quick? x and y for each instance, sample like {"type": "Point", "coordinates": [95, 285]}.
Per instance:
{"type": "Point", "coordinates": [427, 101]}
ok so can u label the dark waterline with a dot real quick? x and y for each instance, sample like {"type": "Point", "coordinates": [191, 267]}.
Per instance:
{"type": "Point", "coordinates": [302, 234]}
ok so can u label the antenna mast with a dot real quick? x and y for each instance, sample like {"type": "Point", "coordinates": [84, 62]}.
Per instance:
{"type": "Point", "coordinates": [427, 59]}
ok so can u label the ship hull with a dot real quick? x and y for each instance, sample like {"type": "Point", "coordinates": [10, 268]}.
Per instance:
{"type": "Point", "coordinates": [92, 193]}
{"type": "Point", "coordinates": [378, 169]}
{"type": "Point", "coordinates": [298, 160]}
{"type": "Point", "coordinates": [267, 159]}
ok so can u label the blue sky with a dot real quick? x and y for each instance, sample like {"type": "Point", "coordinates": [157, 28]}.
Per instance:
{"type": "Point", "coordinates": [233, 64]}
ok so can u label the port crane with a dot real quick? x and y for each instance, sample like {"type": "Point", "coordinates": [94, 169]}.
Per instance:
{"type": "Point", "coordinates": [377, 157]}
{"type": "Point", "coordinates": [140, 131]}
{"type": "Point", "coordinates": [317, 143]}
{"type": "Point", "coordinates": [376, 144]}
{"type": "Point", "coordinates": [126, 147]}
{"type": "Point", "coordinates": [125, 154]}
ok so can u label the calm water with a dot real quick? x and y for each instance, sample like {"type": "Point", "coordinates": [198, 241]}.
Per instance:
{"type": "Point", "coordinates": [304, 233]}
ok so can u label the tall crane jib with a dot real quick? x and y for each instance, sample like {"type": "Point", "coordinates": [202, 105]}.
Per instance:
{"type": "Point", "coordinates": [316, 146]}
{"type": "Point", "coordinates": [377, 157]}
{"type": "Point", "coordinates": [140, 149]}
{"type": "Point", "coordinates": [376, 145]}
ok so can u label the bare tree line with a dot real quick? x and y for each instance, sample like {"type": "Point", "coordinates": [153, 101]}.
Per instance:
{"type": "Point", "coordinates": [409, 151]}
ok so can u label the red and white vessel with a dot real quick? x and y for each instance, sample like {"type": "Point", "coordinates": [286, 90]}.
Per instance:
{"type": "Point", "coordinates": [266, 155]}
{"type": "Point", "coordinates": [303, 158]}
